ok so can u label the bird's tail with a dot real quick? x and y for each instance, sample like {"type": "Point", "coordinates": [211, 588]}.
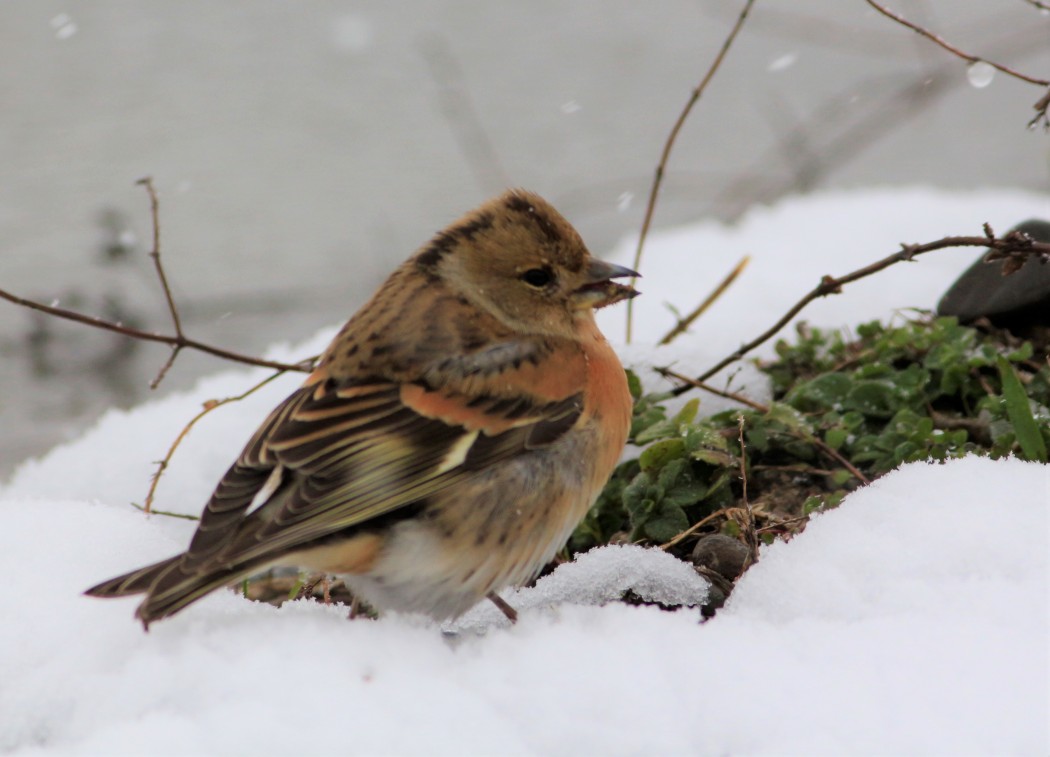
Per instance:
{"type": "Point", "coordinates": [167, 585]}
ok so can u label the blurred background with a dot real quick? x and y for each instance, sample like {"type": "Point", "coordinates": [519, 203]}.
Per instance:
{"type": "Point", "coordinates": [302, 150]}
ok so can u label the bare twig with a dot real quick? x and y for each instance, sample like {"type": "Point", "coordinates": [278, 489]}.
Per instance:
{"type": "Point", "coordinates": [693, 529]}
{"type": "Point", "coordinates": [162, 465]}
{"type": "Point", "coordinates": [179, 340]}
{"type": "Point", "coordinates": [1011, 244]}
{"type": "Point", "coordinates": [976, 428]}
{"type": "Point", "coordinates": [839, 458]}
{"type": "Point", "coordinates": [1037, 4]}
{"type": "Point", "coordinates": [781, 523]}
{"type": "Point", "coordinates": [146, 510]}
{"type": "Point", "coordinates": [154, 210]}
{"type": "Point", "coordinates": [654, 190]}
{"type": "Point", "coordinates": [700, 309]}
{"type": "Point", "coordinates": [724, 393]}
{"type": "Point", "coordinates": [306, 588]}
{"type": "Point", "coordinates": [816, 441]}
{"type": "Point", "coordinates": [1040, 106]}
{"type": "Point", "coordinates": [149, 336]}
{"type": "Point", "coordinates": [969, 58]}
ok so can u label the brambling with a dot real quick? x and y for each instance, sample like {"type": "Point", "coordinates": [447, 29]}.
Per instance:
{"type": "Point", "coordinates": [454, 433]}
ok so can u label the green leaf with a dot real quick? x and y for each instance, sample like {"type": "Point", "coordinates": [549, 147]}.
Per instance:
{"type": "Point", "coordinates": [1023, 352]}
{"type": "Point", "coordinates": [667, 525]}
{"type": "Point", "coordinates": [670, 474]}
{"type": "Point", "coordinates": [688, 412]}
{"type": "Point", "coordinates": [874, 398]}
{"type": "Point", "coordinates": [659, 430]}
{"type": "Point", "coordinates": [637, 492]}
{"type": "Point", "coordinates": [685, 494]}
{"type": "Point", "coordinates": [657, 455]}
{"type": "Point", "coordinates": [836, 437]}
{"type": "Point", "coordinates": [825, 392]}
{"type": "Point", "coordinates": [715, 457]}
{"type": "Point", "coordinates": [840, 477]}
{"type": "Point", "coordinates": [788, 416]}
{"type": "Point", "coordinates": [1019, 411]}
{"type": "Point", "coordinates": [634, 384]}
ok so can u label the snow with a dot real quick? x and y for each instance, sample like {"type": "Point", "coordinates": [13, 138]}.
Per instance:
{"type": "Point", "coordinates": [980, 74]}
{"type": "Point", "coordinates": [913, 619]}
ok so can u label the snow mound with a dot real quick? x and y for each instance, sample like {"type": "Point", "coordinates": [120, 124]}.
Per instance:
{"type": "Point", "coordinates": [913, 619]}
{"type": "Point", "coordinates": [599, 576]}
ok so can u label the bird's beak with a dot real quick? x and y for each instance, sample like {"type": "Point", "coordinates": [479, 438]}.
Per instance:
{"type": "Point", "coordinates": [599, 290]}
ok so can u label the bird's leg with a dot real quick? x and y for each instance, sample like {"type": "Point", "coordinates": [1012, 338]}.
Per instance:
{"type": "Point", "coordinates": [506, 609]}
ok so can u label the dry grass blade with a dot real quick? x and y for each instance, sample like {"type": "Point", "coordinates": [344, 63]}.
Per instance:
{"type": "Point", "coordinates": [1040, 106]}
{"type": "Point", "coordinates": [686, 322]}
{"type": "Point", "coordinates": [693, 529]}
{"type": "Point", "coordinates": [162, 465]}
{"type": "Point", "coordinates": [724, 393]}
{"type": "Point", "coordinates": [1011, 244]}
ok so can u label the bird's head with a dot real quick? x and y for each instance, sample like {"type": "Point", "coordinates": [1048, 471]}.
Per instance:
{"type": "Point", "coordinates": [520, 260]}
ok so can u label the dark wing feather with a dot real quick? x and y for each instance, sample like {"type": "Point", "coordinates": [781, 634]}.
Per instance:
{"type": "Point", "coordinates": [329, 459]}
{"type": "Point", "coordinates": [349, 456]}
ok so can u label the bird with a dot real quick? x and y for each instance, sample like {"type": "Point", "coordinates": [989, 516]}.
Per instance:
{"type": "Point", "coordinates": [451, 437]}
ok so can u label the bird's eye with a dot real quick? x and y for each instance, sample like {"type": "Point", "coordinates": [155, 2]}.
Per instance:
{"type": "Point", "coordinates": [538, 277]}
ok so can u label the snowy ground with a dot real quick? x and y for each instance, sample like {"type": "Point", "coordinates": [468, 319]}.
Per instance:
{"type": "Point", "coordinates": [911, 620]}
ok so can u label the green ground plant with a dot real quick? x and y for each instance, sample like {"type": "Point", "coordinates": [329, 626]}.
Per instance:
{"type": "Point", "coordinates": [846, 408]}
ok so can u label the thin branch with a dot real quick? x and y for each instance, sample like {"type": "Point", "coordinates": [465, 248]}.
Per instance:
{"type": "Point", "coordinates": [1040, 5]}
{"type": "Point", "coordinates": [693, 528]}
{"type": "Point", "coordinates": [146, 510]}
{"type": "Point", "coordinates": [839, 458]}
{"type": "Point", "coordinates": [179, 340]}
{"type": "Point", "coordinates": [700, 309]}
{"type": "Point", "coordinates": [670, 374]}
{"type": "Point", "coordinates": [814, 440]}
{"type": "Point", "coordinates": [781, 523]}
{"type": "Point", "coordinates": [1012, 244]}
{"type": "Point", "coordinates": [969, 58]}
{"type": "Point", "coordinates": [149, 336]}
{"type": "Point", "coordinates": [306, 588]}
{"type": "Point", "coordinates": [1040, 106]}
{"type": "Point", "coordinates": [162, 465]}
{"type": "Point", "coordinates": [654, 191]}
{"type": "Point", "coordinates": [154, 210]}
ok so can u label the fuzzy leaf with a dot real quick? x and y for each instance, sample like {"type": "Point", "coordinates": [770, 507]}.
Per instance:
{"type": "Point", "coordinates": [657, 455]}
{"type": "Point", "coordinates": [836, 437]}
{"type": "Point", "coordinates": [668, 524]}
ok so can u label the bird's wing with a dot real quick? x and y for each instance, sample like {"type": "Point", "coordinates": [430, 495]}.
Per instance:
{"type": "Point", "coordinates": [332, 457]}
